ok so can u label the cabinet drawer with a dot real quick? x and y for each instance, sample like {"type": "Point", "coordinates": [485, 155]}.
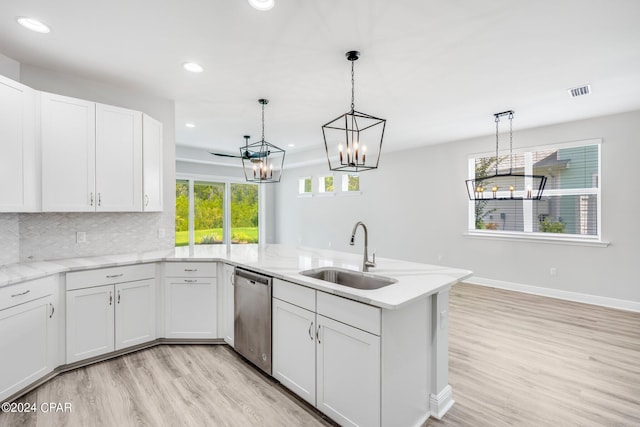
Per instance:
{"type": "Point", "coordinates": [295, 294]}
{"type": "Point", "coordinates": [356, 314]}
{"type": "Point", "coordinates": [27, 291]}
{"type": "Point", "coordinates": [190, 269]}
{"type": "Point", "coordinates": [111, 275]}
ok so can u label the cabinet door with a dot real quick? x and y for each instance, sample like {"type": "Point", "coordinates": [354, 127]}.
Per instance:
{"type": "Point", "coordinates": [152, 164]}
{"type": "Point", "coordinates": [135, 313]}
{"type": "Point", "coordinates": [191, 308]}
{"type": "Point", "coordinates": [90, 318]}
{"type": "Point", "coordinates": [294, 349]}
{"type": "Point", "coordinates": [118, 159]}
{"type": "Point", "coordinates": [227, 304]}
{"type": "Point", "coordinates": [19, 183]}
{"type": "Point", "coordinates": [25, 349]}
{"type": "Point", "coordinates": [348, 374]}
{"type": "Point", "coordinates": [68, 154]}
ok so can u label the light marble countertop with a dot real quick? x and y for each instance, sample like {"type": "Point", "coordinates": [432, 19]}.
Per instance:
{"type": "Point", "coordinates": [414, 280]}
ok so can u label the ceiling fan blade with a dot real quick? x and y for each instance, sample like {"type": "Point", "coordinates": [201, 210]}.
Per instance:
{"type": "Point", "coordinates": [224, 155]}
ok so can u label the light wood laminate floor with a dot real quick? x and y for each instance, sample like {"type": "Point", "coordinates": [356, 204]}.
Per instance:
{"type": "Point", "coordinates": [515, 360]}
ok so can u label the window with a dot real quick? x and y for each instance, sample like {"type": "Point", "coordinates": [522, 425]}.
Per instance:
{"type": "Point", "coordinates": [216, 212]}
{"type": "Point", "coordinates": [350, 183]}
{"type": "Point", "coordinates": [304, 185]}
{"type": "Point", "coordinates": [570, 205]}
{"type": "Point", "coordinates": [325, 184]}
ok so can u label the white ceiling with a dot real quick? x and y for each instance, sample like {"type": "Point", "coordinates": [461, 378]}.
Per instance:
{"type": "Point", "coordinates": [436, 70]}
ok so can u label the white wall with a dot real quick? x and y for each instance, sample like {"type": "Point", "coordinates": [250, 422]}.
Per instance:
{"type": "Point", "coordinates": [415, 206]}
{"type": "Point", "coordinates": [52, 235]}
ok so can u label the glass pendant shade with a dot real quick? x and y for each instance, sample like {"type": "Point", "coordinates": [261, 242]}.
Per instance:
{"type": "Point", "coordinates": [353, 141]}
{"type": "Point", "coordinates": [262, 162]}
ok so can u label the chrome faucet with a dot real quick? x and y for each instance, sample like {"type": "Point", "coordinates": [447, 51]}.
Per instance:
{"type": "Point", "coordinates": [365, 258]}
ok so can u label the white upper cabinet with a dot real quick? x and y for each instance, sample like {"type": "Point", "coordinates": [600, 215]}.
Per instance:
{"type": "Point", "coordinates": [19, 172]}
{"type": "Point", "coordinates": [118, 159]}
{"type": "Point", "coordinates": [151, 164]}
{"type": "Point", "coordinates": [68, 154]}
{"type": "Point", "coordinates": [91, 156]}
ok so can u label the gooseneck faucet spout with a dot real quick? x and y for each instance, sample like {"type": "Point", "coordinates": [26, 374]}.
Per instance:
{"type": "Point", "coordinates": [365, 257]}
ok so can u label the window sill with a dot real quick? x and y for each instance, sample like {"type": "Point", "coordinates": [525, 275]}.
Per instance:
{"type": "Point", "coordinates": [350, 193]}
{"type": "Point", "coordinates": [535, 238]}
{"type": "Point", "coordinates": [305, 195]}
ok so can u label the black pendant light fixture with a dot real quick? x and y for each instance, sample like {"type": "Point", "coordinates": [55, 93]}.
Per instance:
{"type": "Point", "coordinates": [262, 162]}
{"type": "Point", "coordinates": [353, 141]}
{"type": "Point", "coordinates": [506, 186]}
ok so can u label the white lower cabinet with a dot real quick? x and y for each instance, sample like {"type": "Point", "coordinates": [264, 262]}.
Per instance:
{"type": "Point", "coordinates": [102, 318]}
{"type": "Point", "coordinates": [28, 322]}
{"type": "Point", "coordinates": [333, 365]}
{"type": "Point", "coordinates": [191, 300]}
{"type": "Point", "coordinates": [348, 374]}
{"type": "Point", "coordinates": [294, 349]}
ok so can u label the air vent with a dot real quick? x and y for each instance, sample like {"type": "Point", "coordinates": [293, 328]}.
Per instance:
{"type": "Point", "coordinates": [580, 91]}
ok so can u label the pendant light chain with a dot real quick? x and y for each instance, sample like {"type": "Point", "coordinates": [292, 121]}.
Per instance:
{"type": "Point", "coordinates": [497, 140]}
{"type": "Point", "coordinates": [353, 85]}
{"type": "Point", "coordinates": [263, 121]}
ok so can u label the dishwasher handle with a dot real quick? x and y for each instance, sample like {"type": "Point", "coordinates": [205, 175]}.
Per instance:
{"type": "Point", "coordinates": [253, 277]}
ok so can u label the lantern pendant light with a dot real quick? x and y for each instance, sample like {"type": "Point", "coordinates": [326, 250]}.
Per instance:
{"type": "Point", "coordinates": [353, 141]}
{"type": "Point", "coordinates": [506, 186]}
{"type": "Point", "coordinates": [262, 162]}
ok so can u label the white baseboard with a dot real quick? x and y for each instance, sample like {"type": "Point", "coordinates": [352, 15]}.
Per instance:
{"type": "Point", "coordinates": [441, 403]}
{"type": "Point", "coordinates": [556, 293]}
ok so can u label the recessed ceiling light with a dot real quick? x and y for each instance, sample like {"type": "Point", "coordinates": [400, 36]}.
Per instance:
{"type": "Point", "coordinates": [193, 67]}
{"type": "Point", "coordinates": [33, 24]}
{"type": "Point", "coordinates": [262, 4]}
{"type": "Point", "coordinates": [292, 145]}
{"type": "Point", "coordinates": [190, 125]}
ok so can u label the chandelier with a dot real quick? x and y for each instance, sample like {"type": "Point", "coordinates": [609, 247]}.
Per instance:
{"type": "Point", "coordinates": [353, 141]}
{"type": "Point", "coordinates": [262, 162]}
{"type": "Point", "coordinates": [505, 186]}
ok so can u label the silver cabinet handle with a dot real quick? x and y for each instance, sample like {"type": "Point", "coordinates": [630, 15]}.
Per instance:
{"type": "Point", "coordinates": [191, 269]}
{"type": "Point", "coordinates": [146, 200]}
{"type": "Point", "coordinates": [118, 297]}
{"type": "Point", "coordinates": [310, 334]}
{"type": "Point", "coordinates": [231, 280]}
{"type": "Point", "coordinates": [113, 276]}
{"type": "Point", "coordinates": [99, 199]}
{"type": "Point", "coordinates": [53, 310]}
{"type": "Point", "coordinates": [110, 298]}
{"type": "Point", "coordinates": [92, 199]}
{"type": "Point", "coordinates": [190, 281]}
{"type": "Point", "coordinates": [21, 293]}
{"type": "Point", "coordinates": [318, 334]}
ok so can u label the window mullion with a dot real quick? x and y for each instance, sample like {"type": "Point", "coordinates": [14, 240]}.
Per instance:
{"type": "Point", "coordinates": [527, 205]}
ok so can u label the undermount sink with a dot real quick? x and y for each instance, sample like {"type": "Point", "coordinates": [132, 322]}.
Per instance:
{"type": "Point", "coordinates": [350, 278]}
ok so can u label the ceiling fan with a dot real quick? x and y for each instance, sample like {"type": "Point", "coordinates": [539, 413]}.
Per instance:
{"type": "Point", "coordinates": [253, 156]}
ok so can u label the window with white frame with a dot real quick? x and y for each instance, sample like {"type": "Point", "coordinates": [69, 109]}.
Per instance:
{"type": "Point", "coordinates": [325, 184]}
{"type": "Point", "coordinates": [350, 183]}
{"type": "Point", "coordinates": [570, 205]}
{"type": "Point", "coordinates": [305, 186]}
{"type": "Point", "coordinates": [216, 212]}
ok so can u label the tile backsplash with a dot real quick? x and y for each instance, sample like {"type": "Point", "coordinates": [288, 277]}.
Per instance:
{"type": "Point", "coordinates": [48, 236]}
{"type": "Point", "coordinates": [9, 238]}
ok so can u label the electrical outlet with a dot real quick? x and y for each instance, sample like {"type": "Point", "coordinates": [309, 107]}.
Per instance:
{"type": "Point", "coordinates": [81, 237]}
{"type": "Point", "coordinates": [161, 233]}
{"type": "Point", "coordinates": [440, 257]}
{"type": "Point", "coordinates": [553, 271]}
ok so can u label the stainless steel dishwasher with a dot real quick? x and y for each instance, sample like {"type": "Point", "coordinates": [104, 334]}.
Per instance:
{"type": "Point", "coordinates": [252, 317]}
